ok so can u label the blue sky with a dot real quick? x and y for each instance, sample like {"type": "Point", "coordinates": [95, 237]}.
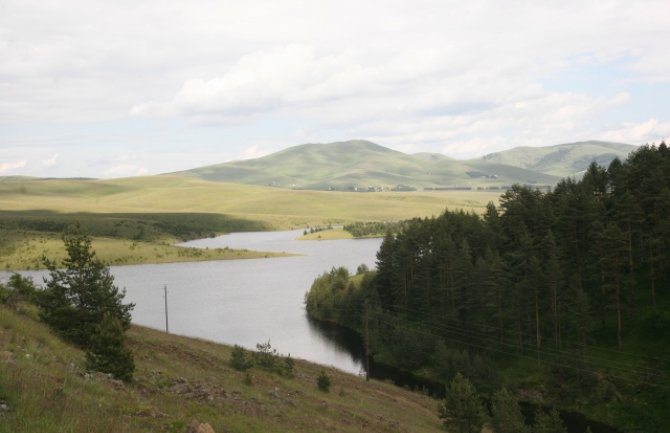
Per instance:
{"type": "Point", "coordinates": [110, 89]}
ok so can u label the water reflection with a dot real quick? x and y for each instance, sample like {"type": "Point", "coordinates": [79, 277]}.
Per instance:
{"type": "Point", "coordinates": [343, 339]}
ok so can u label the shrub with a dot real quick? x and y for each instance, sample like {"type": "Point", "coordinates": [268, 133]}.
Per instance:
{"type": "Point", "coordinates": [323, 381]}
{"type": "Point", "coordinates": [239, 359]}
{"type": "Point", "coordinates": [289, 366]}
{"type": "Point", "coordinates": [266, 356]}
{"type": "Point", "coordinates": [18, 289]}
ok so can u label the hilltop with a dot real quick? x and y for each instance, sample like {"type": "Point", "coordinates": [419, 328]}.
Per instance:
{"type": "Point", "coordinates": [361, 165]}
{"type": "Point", "coordinates": [563, 160]}
{"type": "Point", "coordinates": [44, 387]}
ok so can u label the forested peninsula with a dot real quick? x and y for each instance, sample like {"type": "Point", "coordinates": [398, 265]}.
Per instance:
{"type": "Point", "coordinates": [561, 296]}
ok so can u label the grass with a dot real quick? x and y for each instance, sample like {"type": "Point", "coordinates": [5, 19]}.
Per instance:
{"type": "Point", "coordinates": [273, 207]}
{"type": "Point", "coordinates": [179, 379]}
{"type": "Point", "coordinates": [135, 220]}
{"type": "Point", "coordinates": [326, 235]}
{"type": "Point", "coordinates": [27, 252]}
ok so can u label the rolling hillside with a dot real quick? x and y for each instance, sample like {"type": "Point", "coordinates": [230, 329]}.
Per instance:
{"type": "Point", "coordinates": [362, 165]}
{"type": "Point", "coordinates": [45, 387]}
{"type": "Point", "coordinates": [562, 160]}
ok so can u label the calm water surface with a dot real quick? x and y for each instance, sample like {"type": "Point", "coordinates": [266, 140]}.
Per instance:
{"type": "Point", "coordinates": [246, 301]}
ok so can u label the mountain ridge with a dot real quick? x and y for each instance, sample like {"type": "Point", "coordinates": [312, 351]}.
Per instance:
{"type": "Point", "coordinates": [363, 165]}
{"type": "Point", "coordinates": [567, 159]}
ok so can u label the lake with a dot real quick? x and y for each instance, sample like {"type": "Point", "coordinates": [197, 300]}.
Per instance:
{"type": "Point", "coordinates": [246, 301]}
{"type": "Point", "coordinates": [251, 301]}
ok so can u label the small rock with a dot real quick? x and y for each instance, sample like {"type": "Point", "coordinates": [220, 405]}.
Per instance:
{"type": "Point", "coordinates": [274, 392]}
{"type": "Point", "coordinates": [4, 407]}
{"type": "Point", "coordinates": [199, 427]}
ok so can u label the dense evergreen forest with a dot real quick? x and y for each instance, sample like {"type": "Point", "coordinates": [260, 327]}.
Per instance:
{"type": "Point", "coordinates": [561, 296]}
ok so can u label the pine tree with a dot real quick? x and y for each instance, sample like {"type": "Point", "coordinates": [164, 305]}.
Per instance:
{"type": "Point", "coordinates": [462, 410]}
{"type": "Point", "coordinates": [507, 416]}
{"type": "Point", "coordinates": [612, 257]}
{"type": "Point", "coordinates": [106, 351]}
{"type": "Point", "coordinates": [80, 292]}
{"type": "Point", "coordinates": [549, 423]}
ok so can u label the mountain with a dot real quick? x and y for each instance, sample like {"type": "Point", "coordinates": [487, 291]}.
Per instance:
{"type": "Point", "coordinates": [360, 164]}
{"type": "Point", "coordinates": [562, 160]}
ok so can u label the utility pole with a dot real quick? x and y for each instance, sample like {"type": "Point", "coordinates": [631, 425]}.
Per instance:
{"type": "Point", "coordinates": [367, 342]}
{"type": "Point", "coordinates": [167, 328]}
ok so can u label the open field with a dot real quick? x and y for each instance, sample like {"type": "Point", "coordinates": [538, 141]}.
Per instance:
{"type": "Point", "coordinates": [27, 252]}
{"type": "Point", "coordinates": [136, 220]}
{"type": "Point", "coordinates": [277, 208]}
{"type": "Point", "coordinates": [178, 379]}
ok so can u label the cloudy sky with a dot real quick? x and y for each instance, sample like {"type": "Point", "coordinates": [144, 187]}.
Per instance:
{"type": "Point", "coordinates": [121, 88]}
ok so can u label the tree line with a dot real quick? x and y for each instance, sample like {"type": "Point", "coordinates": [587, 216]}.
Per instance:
{"type": "Point", "coordinates": [544, 274]}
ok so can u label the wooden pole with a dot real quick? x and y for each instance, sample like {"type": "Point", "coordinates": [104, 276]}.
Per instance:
{"type": "Point", "coordinates": [367, 343]}
{"type": "Point", "coordinates": [167, 328]}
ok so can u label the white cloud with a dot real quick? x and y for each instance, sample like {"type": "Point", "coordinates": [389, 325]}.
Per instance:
{"type": "Point", "coordinates": [13, 165]}
{"type": "Point", "coordinates": [50, 162]}
{"type": "Point", "coordinates": [292, 75]}
{"type": "Point", "coordinates": [649, 131]}
{"type": "Point", "coordinates": [422, 74]}
{"type": "Point", "coordinates": [542, 118]}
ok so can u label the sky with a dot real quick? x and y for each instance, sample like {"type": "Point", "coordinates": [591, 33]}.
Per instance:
{"type": "Point", "coordinates": [123, 88]}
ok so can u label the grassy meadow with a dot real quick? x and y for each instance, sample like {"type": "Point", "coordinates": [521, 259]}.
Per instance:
{"type": "Point", "coordinates": [46, 389]}
{"type": "Point", "coordinates": [27, 252]}
{"type": "Point", "coordinates": [276, 208]}
{"type": "Point", "coordinates": [137, 220]}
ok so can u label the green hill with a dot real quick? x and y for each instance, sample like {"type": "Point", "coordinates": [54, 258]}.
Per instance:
{"type": "Point", "coordinates": [359, 164]}
{"type": "Point", "coordinates": [562, 160]}
{"type": "Point", "coordinates": [44, 387]}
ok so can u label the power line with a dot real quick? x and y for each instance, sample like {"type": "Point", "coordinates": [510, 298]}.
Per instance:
{"type": "Point", "coordinates": [465, 337]}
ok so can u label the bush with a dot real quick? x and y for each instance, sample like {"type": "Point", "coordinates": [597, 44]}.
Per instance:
{"type": "Point", "coordinates": [266, 356]}
{"type": "Point", "coordinates": [239, 359]}
{"type": "Point", "coordinates": [18, 289]}
{"type": "Point", "coordinates": [323, 381]}
{"type": "Point", "coordinates": [289, 366]}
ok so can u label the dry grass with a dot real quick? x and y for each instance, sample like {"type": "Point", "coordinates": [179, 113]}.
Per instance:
{"type": "Point", "coordinates": [279, 208]}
